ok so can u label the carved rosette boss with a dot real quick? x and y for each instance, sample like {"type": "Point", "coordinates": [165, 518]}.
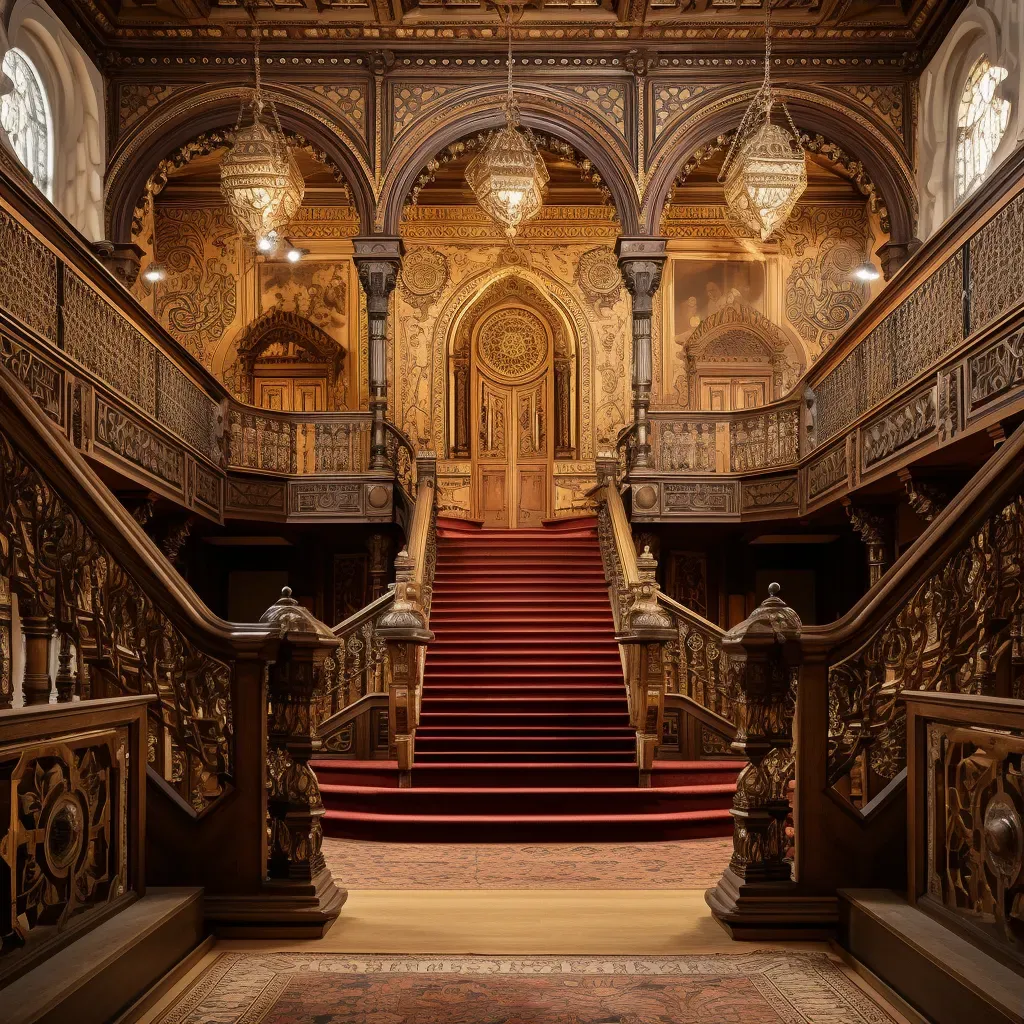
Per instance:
{"type": "Point", "coordinates": [641, 261]}
{"type": "Point", "coordinates": [378, 259]}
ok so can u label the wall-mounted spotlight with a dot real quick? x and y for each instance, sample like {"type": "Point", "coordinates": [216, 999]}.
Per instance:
{"type": "Point", "coordinates": [867, 271]}
{"type": "Point", "coordinates": [153, 273]}
{"type": "Point", "coordinates": [267, 243]}
{"type": "Point", "coordinates": [293, 254]}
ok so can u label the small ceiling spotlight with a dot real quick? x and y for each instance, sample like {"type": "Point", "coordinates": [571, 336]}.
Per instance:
{"type": "Point", "coordinates": [267, 243]}
{"type": "Point", "coordinates": [867, 271]}
{"type": "Point", "coordinates": [154, 272]}
{"type": "Point", "coordinates": [294, 254]}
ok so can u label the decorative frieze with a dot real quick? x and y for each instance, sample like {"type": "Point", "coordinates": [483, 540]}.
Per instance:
{"type": "Point", "coordinates": [894, 431]}
{"type": "Point", "coordinates": [827, 471]}
{"type": "Point", "coordinates": [996, 370]}
{"type": "Point", "coordinates": [125, 437]}
{"type": "Point", "coordinates": [686, 445]}
{"type": "Point", "coordinates": [255, 496]}
{"type": "Point", "coordinates": [324, 498]}
{"type": "Point", "coordinates": [773, 492]}
{"type": "Point", "coordinates": [699, 497]}
{"type": "Point", "coordinates": [44, 383]}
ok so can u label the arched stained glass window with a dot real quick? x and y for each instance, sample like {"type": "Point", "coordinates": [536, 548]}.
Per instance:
{"type": "Point", "coordinates": [981, 121]}
{"type": "Point", "coordinates": [25, 115]}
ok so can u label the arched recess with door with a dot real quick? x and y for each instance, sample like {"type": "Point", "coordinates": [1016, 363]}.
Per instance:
{"type": "Point", "coordinates": [514, 397]}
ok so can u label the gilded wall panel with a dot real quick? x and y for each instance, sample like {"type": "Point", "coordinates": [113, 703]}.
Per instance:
{"type": "Point", "coordinates": [348, 102]}
{"type": "Point", "coordinates": [884, 101]}
{"type": "Point", "coordinates": [135, 100]}
{"type": "Point", "coordinates": [412, 100]}
{"type": "Point", "coordinates": [672, 102]}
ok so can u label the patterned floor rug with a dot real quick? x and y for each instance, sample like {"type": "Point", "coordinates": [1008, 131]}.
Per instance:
{"type": "Point", "coordinates": [724, 988]}
{"type": "Point", "coordinates": [689, 864]}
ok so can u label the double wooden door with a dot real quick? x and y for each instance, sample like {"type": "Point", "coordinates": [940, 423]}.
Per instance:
{"type": "Point", "coordinates": [290, 394]}
{"type": "Point", "coordinates": [726, 394]}
{"type": "Point", "coordinates": [512, 456]}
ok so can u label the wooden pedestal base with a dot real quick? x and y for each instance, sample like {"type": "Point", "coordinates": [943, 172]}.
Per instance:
{"type": "Point", "coordinates": [770, 910]}
{"type": "Point", "coordinates": [293, 910]}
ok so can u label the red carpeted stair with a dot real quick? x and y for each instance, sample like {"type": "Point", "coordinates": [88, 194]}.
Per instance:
{"type": "Point", "coordinates": [524, 731]}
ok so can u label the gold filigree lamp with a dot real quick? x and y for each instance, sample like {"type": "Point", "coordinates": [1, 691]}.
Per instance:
{"type": "Point", "coordinates": [508, 176]}
{"type": "Point", "coordinates": [765, 171]}
{"type": "Point", "coordinates": [259, 178]}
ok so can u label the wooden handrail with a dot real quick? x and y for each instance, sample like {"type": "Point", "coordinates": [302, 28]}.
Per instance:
{"type": "Point", "coordinates": [621, 534]}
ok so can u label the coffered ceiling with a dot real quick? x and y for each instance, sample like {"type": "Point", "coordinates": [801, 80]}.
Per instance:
{"type": "Point", "coordinates": [910, 27]}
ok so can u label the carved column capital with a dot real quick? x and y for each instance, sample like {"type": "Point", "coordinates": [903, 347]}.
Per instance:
{"type": "Point", "coordinates": [926, 500]}
{"type": "Point", "coordinates": [122, 259]}
{"type": "Point", "coordinates": [893, 255]}
{"type": "Point", "coordinates": [874, 530]}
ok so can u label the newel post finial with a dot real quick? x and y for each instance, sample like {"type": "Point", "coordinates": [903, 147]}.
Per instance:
{"type": "Point", "coordinates": [763, 655]}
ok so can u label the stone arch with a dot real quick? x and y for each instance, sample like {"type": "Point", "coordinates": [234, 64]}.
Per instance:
{"type": "Point", "coordinates": [559, 302]}
{"type": "Point", "coordinates": [480, 110]}
{"type": "Point", "coordinates": [739, 335]}
{"type": "Point", "coordinates": [193, 112]}
{"type": "Point", "coordinates": [886, 166]}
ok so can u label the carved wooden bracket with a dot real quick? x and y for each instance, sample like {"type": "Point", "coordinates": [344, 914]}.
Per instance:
{"type": "Point", "coordinates": [875, 531]}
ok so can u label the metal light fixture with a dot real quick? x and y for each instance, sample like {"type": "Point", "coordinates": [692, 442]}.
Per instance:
{"type": "Point", "coordinates": [866, 271]}
{"type": "Point", "coordinates": [508, 176]}
{"type": "Point", "coordinates": [765, 171]}
{"type": "Point", "coordinates": [153, 273]}
{"type": "Point", "coordinates": [259, 178]}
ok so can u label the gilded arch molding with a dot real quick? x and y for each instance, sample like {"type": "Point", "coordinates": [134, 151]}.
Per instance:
{"type": "Point", "coordinates": [884, 161]}
{"type": "Point", "coordinates": [189, 114]}
{"type": "Point", "coordinates": [479, 110]}
{"type": "Point", "coordinates": [559, 300]}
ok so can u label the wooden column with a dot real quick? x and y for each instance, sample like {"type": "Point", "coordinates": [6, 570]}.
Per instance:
{"type": "Point", "coordinates": [756, 895]}
{"type": "Point", "coordinates": [295, 863]}
{"type": "Point", "coordinates": [641, 261]}
{"type": "Point", "coordinates": [874, 530]}
{"type": "Point", "coordinates": [37, 629]}
{"type": "Point", "coordinates": [378, 259]}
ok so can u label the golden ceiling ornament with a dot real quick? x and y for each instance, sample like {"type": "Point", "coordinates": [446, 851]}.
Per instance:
{"type": "Point", "coordinates": [508, 176]}
{"type": "Point", "coordinates": [259, 178]}
{"type": "Point", "coordinates": [765, 170]}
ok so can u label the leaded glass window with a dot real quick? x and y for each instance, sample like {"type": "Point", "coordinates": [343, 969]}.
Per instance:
{"type": "Point", "coordinates": [980, 124]}
{"type": "Point", "coordinates": [25, 115]}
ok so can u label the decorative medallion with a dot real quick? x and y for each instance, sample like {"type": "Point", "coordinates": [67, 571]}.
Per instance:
{"type": "Point", "coordinates": [424, 277]}
{"type": "Point", "coordinates": [598, 276]}
{"type": "Point", "coordinates": [513, 342]}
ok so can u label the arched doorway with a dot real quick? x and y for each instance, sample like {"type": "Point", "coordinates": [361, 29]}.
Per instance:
{"type": "Point", "coordinates": [512, 382]}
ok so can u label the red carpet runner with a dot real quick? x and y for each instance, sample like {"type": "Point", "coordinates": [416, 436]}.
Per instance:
{"type": "Point", "coordinates": [524, 732]}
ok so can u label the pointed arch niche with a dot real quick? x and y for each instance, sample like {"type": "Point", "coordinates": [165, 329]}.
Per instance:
{"type": "Point", "coordinates": [513, 381]}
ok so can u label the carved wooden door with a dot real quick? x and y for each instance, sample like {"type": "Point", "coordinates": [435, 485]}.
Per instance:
{"type": "Point", "coordinates": [512, 441]}
{"type": "Point", "coordinates": [725, 394]}
{"type": "Point", "coordinates": [290, 394]}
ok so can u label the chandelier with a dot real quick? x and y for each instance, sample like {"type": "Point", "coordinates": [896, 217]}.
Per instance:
{"type": "Point", "coordinates": [259, 178]}
{"type": "Point", "coordinates": [764, 172]}
{"type": "Point", "coordinates": [508, 176]}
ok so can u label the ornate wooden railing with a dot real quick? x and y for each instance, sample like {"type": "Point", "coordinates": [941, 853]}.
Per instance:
{"type": "Point", "coordinates": [383, 648]}
{"type": "Point", "coordinates": [822, 707]}
{"type": "Point", "coordinates": [934, 358]}
{"type": "Point", "coordinates": [83, 573]}
{"type": "Point", "coordinates": [130, 397]}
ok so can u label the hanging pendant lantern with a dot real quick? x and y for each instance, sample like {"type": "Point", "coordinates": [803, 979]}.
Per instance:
{"type": "Point", "coordinates": [765, 170]}
{"type": "Point", "coordinates": [508, 176]}
{"type": "Point", "coordinates": [259, 178]}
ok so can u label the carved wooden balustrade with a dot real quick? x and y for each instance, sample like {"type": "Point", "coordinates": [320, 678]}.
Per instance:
{"type": "Point", "coordinates": [130, 397]}
{"type": "Point", "coordinates": [370, 705]}
{"type": "Point", "coordinates": [82, 574]}
{"type": "Point", "coordinates": [947, 619]}
{"type": "Point", "coordinates": [935, 357]}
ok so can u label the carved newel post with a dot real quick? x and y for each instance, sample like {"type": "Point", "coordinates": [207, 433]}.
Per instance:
{"type": "Point", "coordinates": [378, 259]}
{"type": "Point", "coordinates": [295, 859]}
{"type": "Point", "coordinates": [646, 629]}
{"type": "Point", "coordinates": [763, 653]}
{"type": "Point", "coordinates": [405, 632]}
{"type": "Point", "coordinates": [641, 261]}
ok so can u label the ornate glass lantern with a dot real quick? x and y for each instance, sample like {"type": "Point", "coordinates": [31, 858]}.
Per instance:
{"type": "Point", "coordinates": [508, 176]}
{"type": "Point", "coordinates": [259, 178]}
{"type": "Point", "coordinates": [765, 171]}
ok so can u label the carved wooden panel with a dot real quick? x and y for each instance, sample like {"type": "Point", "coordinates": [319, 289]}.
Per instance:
{"type": "Point", "coordinates": [45, 383]}
{"type": "Point", "coordinates": [28, 278]}
{"type": "Point", "coordinates": [975, 829]}
{"type": "Point", "coordinates": [685, 445]}
{"type": "Point", "coordinates": [898, 429]}
{"type": "Point", "coordinates": [130, 439]}
{"type": "Point", "coordinates": [687, 580]}
{"type": "Point", "coordinates": [995, 371]}
{"type": "Point", "coordinates": [997, 264]}
{"type": "Point", "coordinates": [769, 439]}
{"type": "Point", "coordinates": [185, 409]}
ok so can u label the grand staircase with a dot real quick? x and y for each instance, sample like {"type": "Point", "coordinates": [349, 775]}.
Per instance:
{"type": "Point", "coordinates": [524, 732]}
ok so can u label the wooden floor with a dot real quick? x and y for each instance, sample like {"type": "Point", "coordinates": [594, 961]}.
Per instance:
{"type": "Point", "coordinates": [516, 922]}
